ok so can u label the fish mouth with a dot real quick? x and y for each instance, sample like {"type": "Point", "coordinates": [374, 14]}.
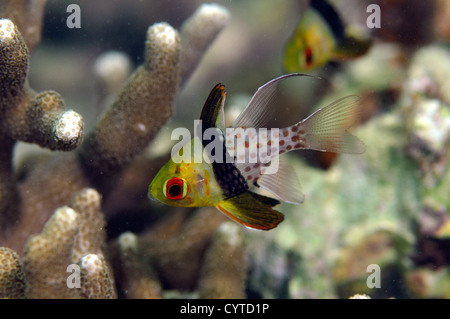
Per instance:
{"type": "Point", "coordinates": [151, 196]}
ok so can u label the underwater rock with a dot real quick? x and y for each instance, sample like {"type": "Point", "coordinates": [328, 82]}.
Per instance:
{"type": "Point", "coordinates": [426, 107]}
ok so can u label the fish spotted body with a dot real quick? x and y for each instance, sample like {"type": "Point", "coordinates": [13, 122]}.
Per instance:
{"type": "Point", "coordinates": [228, 185]}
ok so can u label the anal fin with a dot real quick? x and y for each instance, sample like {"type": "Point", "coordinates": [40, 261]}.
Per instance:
{"type": "Point", "coordinates": [247, 210]}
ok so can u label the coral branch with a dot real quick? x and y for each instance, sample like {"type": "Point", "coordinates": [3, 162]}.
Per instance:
{"type": "Point", "coordinates": [9, 196]}
{"type": "Point", "coordinates": [50, 126]}
{"type": "Point", "coordinates": [47, 255]}
{"type": "Point", "coordinates": [197, 34]}
{"type": "Point", "coordinates": [69, 237]}
{"type": "Point", "coordinates": [91, 238]}
{"type": "Point", "coordinates": [145, 103]}
{"type": "Point", "coordinates": [96, 280]}
{"type": "Point", "coordinates": [27, 15]}
{"type": "Point", "coordinates": [13, 63]}
{"type": "Point", "coordinates": [12, 278]}
{"type": "Point", "coordinates": [224, 270]}
{"type": "Point", "coordinates": [26, 116]}
{"type": "Point", "coordinates": [178, 258]}
{"type": "Point", "coordinates": [171, 254]}
{"type": "Point", "coordinates": [133, 270]}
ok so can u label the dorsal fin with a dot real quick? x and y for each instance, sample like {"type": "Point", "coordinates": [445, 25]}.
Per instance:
{"type": "Point", "coordinates": [212, 112]}
{"type": "Point", "coordinates": [227, 175]}
{"type": "Point", "coordinates": [329, 14]}
{"type": "Point", "coordinates": [262, 106]}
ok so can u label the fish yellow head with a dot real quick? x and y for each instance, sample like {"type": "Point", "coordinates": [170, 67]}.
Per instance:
{"type": "Point", "coordinates": [185, 185]}
{"type": "Point", "coordinates": [321, 37]}
{"type": "Point", "coordinates": [311, 45]}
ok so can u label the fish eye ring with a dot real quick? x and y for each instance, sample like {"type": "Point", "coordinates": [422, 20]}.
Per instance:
{"type": "Point", "coordinates": [175, 188]}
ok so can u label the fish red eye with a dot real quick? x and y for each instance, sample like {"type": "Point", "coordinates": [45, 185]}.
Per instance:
{"type": "Point", "coordinates": [308, 57]}
{"type": "Point", "coordinates": [175, 188]}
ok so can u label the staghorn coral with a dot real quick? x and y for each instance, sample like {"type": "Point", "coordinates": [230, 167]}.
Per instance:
{"type": "Point", "coordinates": [152, 86]}
{"type": "Point", "coordinates": [96, 280]}
{"type": "Point", "coordinates": [77, 231]}
{"type": "Point", "coordinates": [176, 249]}
{"type": "Point", "coordinates": [176, 254]}
{"type": "Point", "coordinates": [143, 106]}
{"type": "Point", "coordinates": [45, 271]}
{"type": "Point", "coordinates": [26, 116]}
{"type": "Point", "coordinates": [91, 237]}
{"type": "Point", "coordinates": [27, 15]}
{"type": "Point", "coordinates": [69, 237]}
{"type": "Point", "coordinates": [134, 271]}
{"type": "Point", "coordinates": [196, 35]}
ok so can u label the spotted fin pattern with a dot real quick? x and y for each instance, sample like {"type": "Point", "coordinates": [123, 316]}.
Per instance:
{"type": "Point", "coordinates": [324, 130]}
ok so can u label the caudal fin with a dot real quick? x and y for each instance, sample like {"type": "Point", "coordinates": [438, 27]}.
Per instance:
{"type": "Point", "coordinates": [327, 128]}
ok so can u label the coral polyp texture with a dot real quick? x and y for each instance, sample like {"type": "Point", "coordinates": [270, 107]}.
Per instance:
{"type": "Point", "coordinates": [12, 278]}
{"type": "Point", "coordinates": [26, 116]}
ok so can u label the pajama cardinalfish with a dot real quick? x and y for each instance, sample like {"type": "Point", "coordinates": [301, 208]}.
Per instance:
{"type": "Point", "coordinates": [229, 185]}
{"type": "Point", "coordinates": [321, 37]}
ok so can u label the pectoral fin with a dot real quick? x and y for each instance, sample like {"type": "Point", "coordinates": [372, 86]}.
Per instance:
{"type": "Point", "coordinates": [247, 210]}
{"type": "Point", "coordinates": [351, 47]}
